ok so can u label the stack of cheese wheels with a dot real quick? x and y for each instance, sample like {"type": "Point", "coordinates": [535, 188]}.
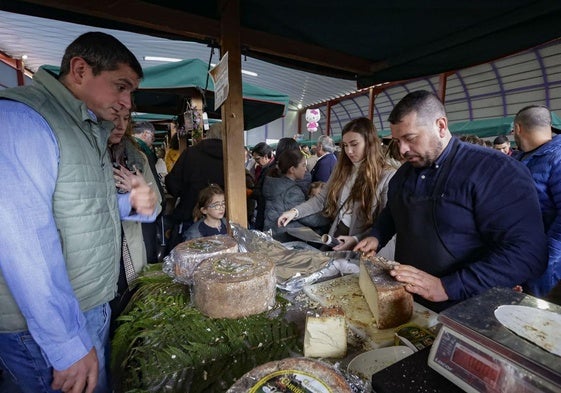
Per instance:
{"type": "Point", "coordinates": [387, 298]}
{"type": "Point", "coordinates": [187, 255]}
{"type": "Point", "coordinates": [234, 285]}
{"type": "Point", "coordinates": [292, 375]}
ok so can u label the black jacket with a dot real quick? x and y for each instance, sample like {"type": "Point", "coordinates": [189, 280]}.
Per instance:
{"type": "Point", "coordinates": [196, 168]}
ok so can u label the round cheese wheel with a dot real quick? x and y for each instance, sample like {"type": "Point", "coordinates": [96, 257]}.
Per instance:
{"type": "Point", "coordinates": [234, 285]}
{"type": "Point", "coordinates": [292, 375]}
{"type": "Point", "coordinates": [187, 255]}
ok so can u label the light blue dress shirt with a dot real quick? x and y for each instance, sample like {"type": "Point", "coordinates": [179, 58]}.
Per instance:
{"type": "Point", "coordinates": [31, 256]}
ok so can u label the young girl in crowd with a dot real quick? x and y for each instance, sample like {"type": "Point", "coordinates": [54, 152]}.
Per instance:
{"type": "Point", "coordinates": [357, 189]}
{"type": "Point", "coordinates": [208, 214]}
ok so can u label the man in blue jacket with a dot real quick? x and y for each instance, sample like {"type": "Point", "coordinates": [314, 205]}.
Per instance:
{"type": "Point", "coordinates": [467, 218]}
{"type": "Point", "coordinates": [326, 161]}
{"type": "Point", "coordinates": [541, 153]}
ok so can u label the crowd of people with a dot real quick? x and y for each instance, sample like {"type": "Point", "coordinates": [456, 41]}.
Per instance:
{"type": "Point", "coordinates": [85, 200]}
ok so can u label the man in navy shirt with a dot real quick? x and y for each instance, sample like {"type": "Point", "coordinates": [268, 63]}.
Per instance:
{"type": "Point", "coordinates": [326, 161]}
{"type": "Point", "coordinates": [467, 218]}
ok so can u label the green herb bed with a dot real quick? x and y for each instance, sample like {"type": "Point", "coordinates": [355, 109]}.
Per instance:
{"type": "Point", "coordinates": [164, 344]}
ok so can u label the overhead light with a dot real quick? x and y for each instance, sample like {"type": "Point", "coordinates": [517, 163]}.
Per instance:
{"type": "Point", "coordinates": [250, 73]}
{"type": "Point", "coordinates": [158, 58]}
{"type": "Point", "coordinates": [299, 106]}
{"type": "Point", "coordinates": [24, 57]}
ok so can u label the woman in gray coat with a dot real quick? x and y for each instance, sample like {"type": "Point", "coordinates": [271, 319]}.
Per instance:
{"type": "Point", "coordinates": [357, 189]}
{"type": "Point", "coordinates": [281, 192]}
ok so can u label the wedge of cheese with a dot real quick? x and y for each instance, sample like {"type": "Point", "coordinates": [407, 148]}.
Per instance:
{"type": "Point", "coordinates": [326, 334]}
{"type": "Point", "coordinates": [390, 304]}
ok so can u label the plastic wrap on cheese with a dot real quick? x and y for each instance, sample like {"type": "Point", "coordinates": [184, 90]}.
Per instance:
{"type": "Point", "coordinates": [182, 261]}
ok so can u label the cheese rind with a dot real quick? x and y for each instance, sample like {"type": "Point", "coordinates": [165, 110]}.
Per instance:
{"type": "Point", "coordinates": [326, 334]}
{"type": "Point", "coordinates": [292, 375]}
{"type": "Point", "coordinates": [186, 256]}
{"type": "Point", "coordinates": [234, 285]}
{"type": "Point", "coordinates": [390, 304]}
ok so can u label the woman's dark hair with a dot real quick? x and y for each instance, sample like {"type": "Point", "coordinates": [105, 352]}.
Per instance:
{"type": "Point", "coordinates": [286, 144]}
{"type": "Point", "coordinates": [288, 159]}
{"type": "Point", "coordinates": [262, 150]}
{"type": "Point", "coordinates": [101, 51]}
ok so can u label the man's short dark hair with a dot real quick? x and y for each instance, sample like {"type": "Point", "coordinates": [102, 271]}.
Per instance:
{"type": "Point", "coordinates": [500, 140]}
{"type": "Point", "coordinates": [262, 150]}
{"type": "Point", "coordinates": [426, 104]}
{"type": "Point", "coordinates": [101, 51]}
{"type": "Point", "coordinates": [534, 116]}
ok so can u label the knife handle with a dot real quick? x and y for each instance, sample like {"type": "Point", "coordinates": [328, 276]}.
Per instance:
{"type": "Point", "coordinates": [330, 241]}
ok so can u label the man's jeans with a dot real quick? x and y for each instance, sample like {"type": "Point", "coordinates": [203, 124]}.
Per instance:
{"type": "Point", "coordinates": [22, 360]}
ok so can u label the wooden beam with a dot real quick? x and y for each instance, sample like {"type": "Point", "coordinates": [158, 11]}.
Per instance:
{"type": "Point", "coordinates": [232, 115]}
{"type": "Point", "coordinates": [442, 81]}
{"type": "Point", "coordinates": [328, 119]}
{"type": "Point", "coordinates": [371, 99]}
{"type": "Point", "coordinates": [20, 72]}
{"type": "Point", "coordinates": [300, 51]}
{"type": "Point", "coordinates": [188, 26]}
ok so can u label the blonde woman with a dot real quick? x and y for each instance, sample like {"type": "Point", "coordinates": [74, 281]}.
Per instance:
{"type": "Point", "coordinates": [357, 189]}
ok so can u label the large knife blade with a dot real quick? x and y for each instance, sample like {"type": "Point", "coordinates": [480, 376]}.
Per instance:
{"type": "Point", "coordinates": [305, 233]}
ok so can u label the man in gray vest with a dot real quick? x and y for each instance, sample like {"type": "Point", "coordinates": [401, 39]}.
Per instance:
{"type": "Point", "coordinates": [60, 217]}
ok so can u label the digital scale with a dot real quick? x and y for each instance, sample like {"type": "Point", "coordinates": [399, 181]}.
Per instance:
{"type": "Point", "coordinates": [478, 354]}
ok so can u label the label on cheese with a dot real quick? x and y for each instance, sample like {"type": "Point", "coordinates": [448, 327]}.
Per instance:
{"type": "Point", "coordinates": [293, 381]}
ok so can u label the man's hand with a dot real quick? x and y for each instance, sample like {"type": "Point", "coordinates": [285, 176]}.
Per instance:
{"type": "Point", "coordinates": [368, 246]}
{"type": "Point", "coordinates": [419, 282]}
{"type": "Point", "coordinates": [142, 197]}
{"type": "Point", "coordinates": [80, 377]}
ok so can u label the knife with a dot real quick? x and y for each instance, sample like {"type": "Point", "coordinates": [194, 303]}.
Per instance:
{"type": "Point", "coordinates": [305, 233]}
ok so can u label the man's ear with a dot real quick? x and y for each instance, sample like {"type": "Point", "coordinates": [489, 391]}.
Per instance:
{"type": "Point", "coordinates": [78, 70]}
{"type": "Point", "coordinates": [442, 124]}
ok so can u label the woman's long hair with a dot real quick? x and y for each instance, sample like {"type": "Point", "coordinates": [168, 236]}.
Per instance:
{"type": "Point", "coordinates": [365, 188]}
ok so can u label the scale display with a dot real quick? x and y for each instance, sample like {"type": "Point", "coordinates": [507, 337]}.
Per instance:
{"type": "Point", "coordinates": [476, 369]}
{"type": "Point", "coordinates": [476, 352]}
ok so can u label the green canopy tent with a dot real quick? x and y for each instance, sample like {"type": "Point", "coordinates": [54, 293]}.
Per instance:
{"type": "Point", "coordinates": [484, 128]}
{"type": "Point", "coordinates": [165, 88]}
